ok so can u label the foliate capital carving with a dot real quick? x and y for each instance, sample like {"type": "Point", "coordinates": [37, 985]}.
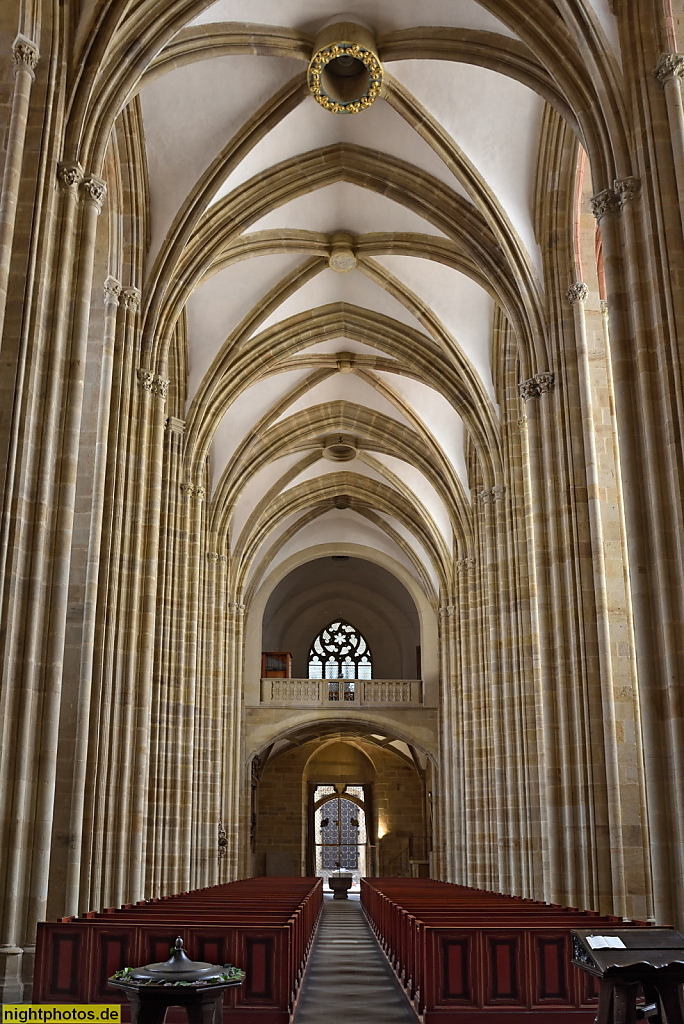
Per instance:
{"type": "Point", "coordinates": [237, 607]}
{"type": "Point", "coordinates": [578, 292]}
{"type": "Point", "coordinates": [528, 389]}
{"type": "Point", "coordinates": [626, 189]}
{"type": "Point", "coordinates": [604, 307]}
{"type": "Point", "coordinates": [447, 610]}
{"type": "Point", "coordinates": [465, 564]}
{"type": "Point", "coordinates": [545, 382]}
{"type": "Point", "coordinates": [94, 190]}
{"type": "Point", "coordinates": [24, 54]}
{"type": "Point", "coordinates": [131, 299]}
{"type": "Point", "coordinates": [485, 497]}
{"type": "Point", "coordinates": [112, 290]}
{"type": "Point", "coordinates": [498, 492]}
{"type": "Point", "coordinates": [602, 203]}
{"type": "Point", "coordinates": [522, 422]}
{"type": "Point", "coordinates": [670, 65]}
{"type": "Point", "coordinates": [536, 386]}
{"type": "Point", "coordinates": [175, 425]}
{"type": "Point", "coordinates": [154, 384]}
{"type": "Point", "coordinates": [194, 491]}
{"type": "Point", "coordinates": [145, 379]}
{"type": "Point", "coordinates": [216, 558]}
{"type": "Point", "coordinates": [612, 200]}
{"type": "Point", "coordinates": [69, 175]}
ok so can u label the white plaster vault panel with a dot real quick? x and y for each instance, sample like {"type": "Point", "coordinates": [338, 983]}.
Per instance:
{"type": "Point", "coordinates": [191, 113]}
{"type": "Point", "coordinates": [387, 15]}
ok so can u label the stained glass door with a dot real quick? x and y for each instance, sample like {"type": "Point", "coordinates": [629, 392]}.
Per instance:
{"type": "Point", "coordinates": [340, 832]}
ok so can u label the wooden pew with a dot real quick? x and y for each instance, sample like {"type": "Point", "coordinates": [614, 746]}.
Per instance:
{"type": "Point", "coordinates": [466, 956]}
{"type": "Point", "coordinates": [264, 926]}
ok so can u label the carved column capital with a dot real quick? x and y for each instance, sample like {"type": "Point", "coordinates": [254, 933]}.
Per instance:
{"type": "Point", "coordinates": [194, 491]}
{"type": "Point", "coordinates": [485, 497]}
{"type": "Point", "coordinates": [216, 558]}
{"type": "Point", "coordinates": [25, 54]}
{"type": "Point", "coordinates": [465, 564]}
{"type": "Point", "coordinates": [175, 425]}
{"type": "Point", "coordinates": [446, 611]}
{"type": "Point", "coordinates": [602, 203]}
{"type": "Point", "coordinates": [112, 290]}
{"type": "Point", "coordinates": [153, 383]}
{"type": "Point", "coordinates": [145, 379]}
{"type": "Point", "coordinates": [131, 299]}
{"type": "Point", "coordinates": [626, 189]}
{"type": "Point", "coordinates": [69, 176]}
{"type": "Point", "coordinates": [578, 292]}
{"type": "Point", "coordinates": [94, 191]}
{"type": "Point", "coordinates": [604, 307]}
{"type": "Point", "coordinates": [528, 389]}
{"type": "Point", "coordinates": [612, 200]}
{"type": "Point", "coordinates": [538, 385]}
{"type": "Point", "coordinates": [498, 492]}
{"type": "Point", "coordinates": [545, 382]}
{"type": "Point", "coordinates": [522, 422]}
{"type": "Point", "coordinates": [670, 65]}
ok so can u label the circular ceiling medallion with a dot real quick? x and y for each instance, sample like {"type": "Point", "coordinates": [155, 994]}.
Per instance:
{"type": "Point", "coordinates": [345, 77]}
{"type": "Point", "coordinates": [342, 260]}
{"type": "Point", "coordinates": [339, 448]}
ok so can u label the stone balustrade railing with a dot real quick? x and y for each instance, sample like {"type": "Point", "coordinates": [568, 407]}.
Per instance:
{"type": "Point", "coordinates": [333, 693]}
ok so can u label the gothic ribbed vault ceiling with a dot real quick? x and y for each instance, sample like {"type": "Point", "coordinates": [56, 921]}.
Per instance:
{"type": "Point", "coordinates": [394, 356]}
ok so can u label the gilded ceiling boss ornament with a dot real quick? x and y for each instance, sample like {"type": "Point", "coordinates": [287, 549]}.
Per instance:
{"type": "Point", "coordinates": [345, 73]}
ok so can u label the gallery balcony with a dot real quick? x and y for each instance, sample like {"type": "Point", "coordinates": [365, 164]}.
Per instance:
{"type": "Point", "coordinates": [337, 693]}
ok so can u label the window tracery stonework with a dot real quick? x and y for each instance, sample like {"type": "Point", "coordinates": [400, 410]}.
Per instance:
{"type": "Point", "coordinates": [340, 652]}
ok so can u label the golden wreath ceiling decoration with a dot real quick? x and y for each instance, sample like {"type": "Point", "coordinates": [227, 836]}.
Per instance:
{"type": "Point", "coordinates": [345, 77]}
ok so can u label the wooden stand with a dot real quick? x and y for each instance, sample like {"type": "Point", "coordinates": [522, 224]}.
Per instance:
{"type": "Point", "coordinates": [618, 997]}
{"type": "Point", "coordinates": [650, 959]}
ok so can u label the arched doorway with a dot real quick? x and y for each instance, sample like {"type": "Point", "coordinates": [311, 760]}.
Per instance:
{"type": "Point", "coordinates": [385, 826]}
{"type": "Point", "coordinates": [340, 832]}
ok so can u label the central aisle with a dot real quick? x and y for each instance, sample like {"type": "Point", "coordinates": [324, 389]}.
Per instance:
{"type": "Point", "coordinates": [348, 980]}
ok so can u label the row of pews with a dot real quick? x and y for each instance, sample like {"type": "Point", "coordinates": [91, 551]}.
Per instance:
{"type": "Point", "coordinates": [466, 956]}
{"type": "Point", "coordinates": [263, 925]}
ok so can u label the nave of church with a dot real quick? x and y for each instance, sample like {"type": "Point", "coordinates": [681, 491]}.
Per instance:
{"type": "Point", "coordinates": [341, 450]}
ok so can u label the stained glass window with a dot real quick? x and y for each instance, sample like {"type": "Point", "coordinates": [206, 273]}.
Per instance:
{"type": "Point", "coordinates": [340, 831]}
{"type": "Point", "coordinates": [340, 652]}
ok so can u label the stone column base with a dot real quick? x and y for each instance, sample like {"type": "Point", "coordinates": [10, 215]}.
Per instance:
{"type": "Point", "coordinates": [11, 974]}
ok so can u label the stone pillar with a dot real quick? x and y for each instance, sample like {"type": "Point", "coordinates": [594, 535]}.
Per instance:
{"type": "Point", "coordinates": [547, 738]}
{"type": "Point", "coordinates": [669, 72]}
{"type": "Point", "coordinates": [446, 842]}
{"type": "Point", "coordinates": [167, 718]}
{"type": "Point", "coordinates": [154, 390]}
{"type": "Point", "coordinates": [577, 296]}
{"type": "Point", "coordinates": [103, 884]}
{"type": "Point", "coordinates": [195, 496]}
{"type": "Point", "coordinates": [25, 54]}
{"type": "Point", "coordinates": [234, 771]}
{"type": "Point", "coordinates": [215, 684]}
{"type": "Point", "coordinates": [72, 897]}
{"type": "Point", "coordinates": [648, 468]}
